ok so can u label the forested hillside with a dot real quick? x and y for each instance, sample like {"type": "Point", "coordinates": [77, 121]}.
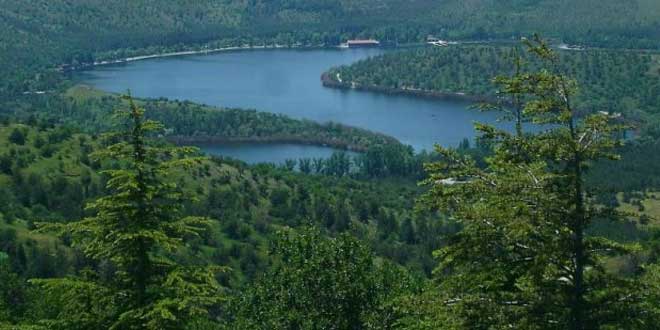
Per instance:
{"type": "Point", "coordinates": [124, 230]}
{"type": "Point", "coordinates": [109, 221]}
{"type": "Point", "coordinates": [607, 23]}
{"type": "Point", "coordinates": [36, 35]}
{"type": "Point", "coordinates": [48, 175]}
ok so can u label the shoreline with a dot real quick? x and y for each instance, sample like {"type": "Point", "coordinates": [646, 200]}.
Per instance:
{"type": "Point", "coordinates": [67, 68]}
{"type": "Point", "coordinates": [193, 140]}
{"type": "Point", "coordinates": [190, 52]}
{"type": "Point", "coordinates": [301, 140]}
{"type": "Point", "coordinates": [327, 134]}
{"type": "Point", "coordinates": [329, 82]}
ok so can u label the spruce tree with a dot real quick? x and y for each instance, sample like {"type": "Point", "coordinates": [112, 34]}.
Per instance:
{"type": "Point", "coordinates": [523, 258]}
{"type": "Point", "coordinates": [135, 229]}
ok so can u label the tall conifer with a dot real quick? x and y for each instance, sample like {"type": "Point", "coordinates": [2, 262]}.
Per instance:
{"type": "Point", "coordinates": [523, 258]}
{"type": "Point", "coordinates": [136, 228]}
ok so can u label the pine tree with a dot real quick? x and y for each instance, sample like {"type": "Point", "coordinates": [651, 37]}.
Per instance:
{"type": "Point", "coordinates": [135, 228]}
{"type": "Point", "coordinates": [523, 258]}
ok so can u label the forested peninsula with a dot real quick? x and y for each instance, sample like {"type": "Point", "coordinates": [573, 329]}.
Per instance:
{"type": "Point", "coordinates": [613, 81]}
{"type": "Point", "coordinates": [188, 122]}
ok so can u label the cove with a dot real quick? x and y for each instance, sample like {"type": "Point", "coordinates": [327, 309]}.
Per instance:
{"type": "Point", "coordinates": [287, 81]}
{"type": "Point", "coordinates": [278, 153]}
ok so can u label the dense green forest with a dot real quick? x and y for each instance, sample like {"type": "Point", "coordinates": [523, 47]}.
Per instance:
{"type": "Point", "coordinates": [109, 221]}
{"type": "Point", "coordinates": [48, 174]}
{"type": "Point", "coordinates": [124, 230]}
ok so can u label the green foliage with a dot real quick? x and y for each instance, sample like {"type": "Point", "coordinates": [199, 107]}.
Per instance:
{"type": "Point", "coordinates": [651, 287]}
{"type": "Point", "coordinates": [321, 283]}
{"type": "Point", "coordinates": [45, 172]}
{"type": "Point", "coordinates": [378, 161]}
{"type": "Point", "coordinates": [607, 23]}
{"type": "Point", "coordinates": [73, 303]}
{"type": "Point", "coordinates": [522, 258]}
{"type": "Point", "coordinates": [12, 292]}
{"type": "Point", "coordinates": [637, 170]}
{"type": "Point", "coordinates": [54, 186]}
{"type": "Point", "coordinates": [136, 259]}
{"type": "Point", "coordinates": [17, 137]}
{"type": "Point", "coordinates": [134, 228]}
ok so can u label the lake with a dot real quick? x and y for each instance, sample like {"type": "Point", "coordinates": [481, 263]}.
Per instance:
{"type": "Point", "coordinates": [277, 153]}
{"type": "Point", "coordinates": [288, 82]}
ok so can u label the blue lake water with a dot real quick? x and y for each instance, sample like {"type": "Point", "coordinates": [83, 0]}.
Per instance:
{"type": "Point", "coordinates": [288, 82]}
{"type": "Point", "coordinates": [277, 153]}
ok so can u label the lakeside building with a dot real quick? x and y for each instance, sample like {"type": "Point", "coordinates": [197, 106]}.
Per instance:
{"type": "Point", "coordinates": [442, 43]}
{"type": "Point", "coordinates": [439, 43]}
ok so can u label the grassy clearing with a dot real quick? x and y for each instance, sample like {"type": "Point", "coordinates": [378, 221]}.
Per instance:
{"type": "Point", "coordinates": [24, 234]}
{"type": "Point", "coordinates": [654, 68]}
{"type": "Point", "coordinates": [649, 205]}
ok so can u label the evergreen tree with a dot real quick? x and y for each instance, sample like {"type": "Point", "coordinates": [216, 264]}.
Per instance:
{"type": "Point", "coordinates": [522, 258]}
{"type": "Point", "coordinates": [408, 232]}
{"type": "Point", "coordinates": [305, 165]}
{"type": "Point", "coordinates": [17, 136]}
{"type": "Point", "coordinates": [650, 284]}
{"type": "Point", "coordinates": [12, 292]}
{"type": "Point", "coordinates": [136, 228]}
